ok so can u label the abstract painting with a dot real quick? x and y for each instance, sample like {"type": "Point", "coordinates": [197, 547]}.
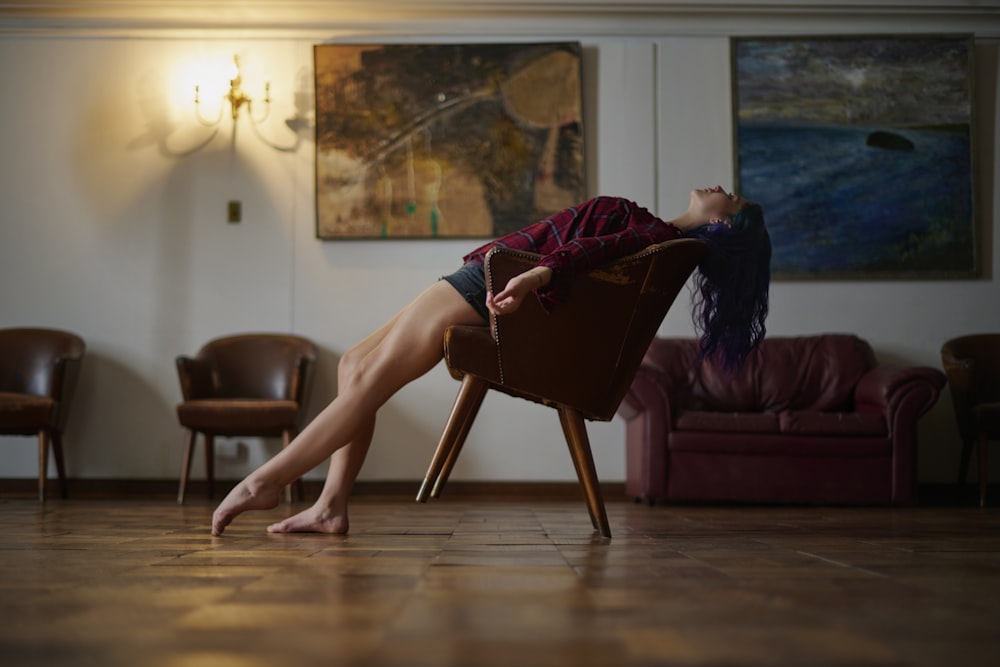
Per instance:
{"type": "Point", "coordinates": [860, 151]}
{"type": "Point", "coordinates": [445, 141]}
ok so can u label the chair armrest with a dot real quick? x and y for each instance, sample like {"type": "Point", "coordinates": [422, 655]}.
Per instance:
{"type": "Point", "coordinates": [195, 377]}
{"type": "Point", "coordinates": [301, 381]}
{"type": "Point", "coordinates": [959, 371]}
{"type": "Point", "coordinates": [64, 379]}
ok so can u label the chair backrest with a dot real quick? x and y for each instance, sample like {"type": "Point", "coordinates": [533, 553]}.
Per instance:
{"type": "Point", "coordinates": [972, 366]}
{"type": "Point", "coordinates": [41, 362]}
{"type": "Point", "coordinates": [585, 353]}
{"type": "Point", "coordinates": [260, 365]}
{"type": "Point", "coordinates": [28, 357]}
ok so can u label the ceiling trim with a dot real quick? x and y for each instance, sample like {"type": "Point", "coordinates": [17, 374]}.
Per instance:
{"type": "Point", "coordinates": [335, 18]}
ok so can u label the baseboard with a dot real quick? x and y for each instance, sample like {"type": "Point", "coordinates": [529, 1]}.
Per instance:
{"type": "Point", "coordinates": [162, 488]}
{"type": "Point", "coordinates": [929, 494]}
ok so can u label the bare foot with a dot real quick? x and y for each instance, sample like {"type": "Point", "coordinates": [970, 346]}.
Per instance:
{"type": "Point", "coordinates": [241, 499]}
{"type": "Point", "coordinates": [316, 519]}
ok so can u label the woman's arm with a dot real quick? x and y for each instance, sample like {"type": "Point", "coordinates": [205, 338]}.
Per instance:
{"type": "Point", "coordinates": [512, 295]}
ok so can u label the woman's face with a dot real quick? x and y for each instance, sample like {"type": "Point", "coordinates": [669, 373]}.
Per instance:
{"type": "Point", "coordinates": [715, 204]}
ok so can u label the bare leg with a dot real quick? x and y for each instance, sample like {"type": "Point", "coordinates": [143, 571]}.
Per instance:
{"type": "Point", "coordinates": [400, 352]}
{"type": "Point", "coordinates": [329, 513]}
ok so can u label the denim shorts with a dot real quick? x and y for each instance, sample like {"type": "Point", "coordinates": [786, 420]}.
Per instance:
{"type": "Point", "coordinates": [470, 281]}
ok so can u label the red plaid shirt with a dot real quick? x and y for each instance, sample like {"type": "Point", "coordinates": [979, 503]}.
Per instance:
{"type": "Point", "coordinates": [580, 238]}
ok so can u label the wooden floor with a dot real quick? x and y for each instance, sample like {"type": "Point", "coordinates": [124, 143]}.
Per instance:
{"type": "Point", "coordinates": [506, 583]}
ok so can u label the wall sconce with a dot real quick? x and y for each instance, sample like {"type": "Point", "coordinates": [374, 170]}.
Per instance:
{"type": "Point", "coordinates": [237, 99]}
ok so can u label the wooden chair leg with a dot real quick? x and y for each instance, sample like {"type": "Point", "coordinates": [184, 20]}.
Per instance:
{"type": "Point", "coordinates": [189, 440]}
{"type": "Point", "coordinates": [475, 401]}
{"type": "Point", "coordinates": [57, 453]}
{"type": "Point", "coordinates": [43, 462]}
{"type": "Point", "coordinates": [984, 469]}
{"type": "Point", "coordinates": [575, 431]}
{"type": "Point", "coordinates": [210, 465]}
{"type": "Point", "coordinates": [463, 413]}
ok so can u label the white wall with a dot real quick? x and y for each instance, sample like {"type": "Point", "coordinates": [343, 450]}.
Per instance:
{"type": "Point", "coordinates": [108, 227]}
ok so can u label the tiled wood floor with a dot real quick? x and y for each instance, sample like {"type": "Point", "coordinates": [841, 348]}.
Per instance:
{"type": "Point", "coordinates": [505, 583]}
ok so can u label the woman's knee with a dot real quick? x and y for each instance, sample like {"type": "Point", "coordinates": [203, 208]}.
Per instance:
{"type": "Point", "coordinates": [349, 364]}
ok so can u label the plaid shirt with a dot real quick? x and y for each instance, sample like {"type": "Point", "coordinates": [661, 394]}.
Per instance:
{"type": "Point", "coordinates": [580, 238]}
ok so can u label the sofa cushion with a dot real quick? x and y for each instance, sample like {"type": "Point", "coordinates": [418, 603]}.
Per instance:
{"type": "Point", "coordinates": [800, 422]}
{"type": "Point", "coordinates": [729, 422]}
{"type": "Point", "coordinates": [831, 423]}
{"type": "Point", "coordinates": [769, 444]}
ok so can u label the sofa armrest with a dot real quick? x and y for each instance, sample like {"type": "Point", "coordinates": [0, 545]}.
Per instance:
{"type": "Point", "coordinates": [647, 394]}
{"type": "Point", "coordinates": [886, 388]}
{"type": "Point", "coordinates": [902, 395]}
{"type": "Point", "coordinates": [648, 421]}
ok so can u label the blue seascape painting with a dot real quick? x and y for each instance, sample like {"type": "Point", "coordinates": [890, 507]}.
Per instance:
{"type": "Point", "coordinates": [859, 151]}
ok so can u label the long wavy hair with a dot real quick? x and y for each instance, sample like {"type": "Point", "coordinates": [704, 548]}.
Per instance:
{"type": "Point", "coordinates": [731, 286]}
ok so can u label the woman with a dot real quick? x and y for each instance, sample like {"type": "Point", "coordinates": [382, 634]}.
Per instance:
{"type": "Point", "coordinates": [731, 292]}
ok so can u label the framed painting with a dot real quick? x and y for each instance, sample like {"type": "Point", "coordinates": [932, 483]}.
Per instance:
{"type": "Point", "coordinates": [445, 141]}
{"type": "Point", "coordinates": [860, 150]}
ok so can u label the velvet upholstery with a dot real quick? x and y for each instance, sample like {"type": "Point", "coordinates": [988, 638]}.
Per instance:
{"type": "Point", "coordinates": [244, 385]}
{"type": "Point", "coordinates": [972, 366]}
{"type": "Point", "coordinates": [579, 359]}
{"type": "Point", "coordinates": [38, 376]}
{"type": "Point", "coordinates": [808, 419]}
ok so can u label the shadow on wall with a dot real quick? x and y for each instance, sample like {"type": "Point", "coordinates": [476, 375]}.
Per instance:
{"type": "Point", "coordinates": [120, 421]}
{"type": "Point", "coordinates": [180, 138]}
{"type": "Point", "coordinates": [159, 273]}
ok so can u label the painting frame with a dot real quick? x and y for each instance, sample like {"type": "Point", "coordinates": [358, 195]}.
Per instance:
{"type": "Point", "coordinates": [439, 141]}
{"type": "Point", "coordinates": [861, 151]}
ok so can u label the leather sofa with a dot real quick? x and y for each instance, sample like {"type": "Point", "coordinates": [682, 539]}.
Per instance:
{"type": "Point", "coordinates": [809, 419]}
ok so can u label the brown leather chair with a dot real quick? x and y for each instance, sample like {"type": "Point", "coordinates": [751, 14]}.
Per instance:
{"type": "Point", "coordinates": [579, 359]}
{"type": "Point", "coordinates": [972, 366]}
{"type": "Point", "coordinates": [248, 385]}
{"type": "Point", "coordinates": [38, 374]}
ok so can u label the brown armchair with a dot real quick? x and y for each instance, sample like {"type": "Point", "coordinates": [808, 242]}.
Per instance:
{"type": "Point", "coordinates": [579, 359]}
{"type": "Point", "coordinates": [972, 366]}
{"type": "Point", "coordinates": [38, 374]}
{"type": "Point", "coordinates": [253, 385]}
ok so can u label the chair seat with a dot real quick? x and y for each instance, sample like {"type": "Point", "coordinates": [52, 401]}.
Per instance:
{"type": "Point", "coordinates": [238, 416]}
{"type": "Point", "coordinates": [23, 413]}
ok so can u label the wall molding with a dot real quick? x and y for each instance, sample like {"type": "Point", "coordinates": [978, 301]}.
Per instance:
{"type": "Point", "coordinates": [227, 19]}
{"type": "Point", "coordinates": [11, 489]}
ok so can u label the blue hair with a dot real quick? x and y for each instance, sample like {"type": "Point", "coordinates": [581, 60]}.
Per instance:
{"type": "Point", "coordinates": [731, 285]}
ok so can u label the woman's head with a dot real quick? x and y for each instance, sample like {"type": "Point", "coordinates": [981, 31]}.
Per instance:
{"type": "Point", "coordinates": [733, 278]}
{"type": "Point", "coordinates": [712, 206]}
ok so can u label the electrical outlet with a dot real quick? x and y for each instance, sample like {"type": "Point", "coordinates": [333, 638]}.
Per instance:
{"type": "Point", "coordinates": [234, 211]}
{"type": "Point", "coordinates": [231, 450]}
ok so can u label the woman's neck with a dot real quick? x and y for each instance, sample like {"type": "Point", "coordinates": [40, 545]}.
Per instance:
{"type": "Point", "coordinates": [687, 221]}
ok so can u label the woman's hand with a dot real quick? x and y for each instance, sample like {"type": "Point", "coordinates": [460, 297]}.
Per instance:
{"type": "Point", "coordinates": [510, 298]}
